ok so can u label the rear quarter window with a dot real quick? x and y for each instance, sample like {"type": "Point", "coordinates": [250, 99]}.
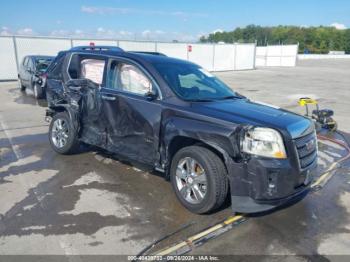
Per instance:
{"type": "Point", "coordinates": [93, 69]}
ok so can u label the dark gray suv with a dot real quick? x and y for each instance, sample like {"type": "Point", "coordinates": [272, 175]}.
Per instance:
{"type": "Point", "coordinates": [180, 119]}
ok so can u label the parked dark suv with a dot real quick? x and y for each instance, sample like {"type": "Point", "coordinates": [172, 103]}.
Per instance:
{"type": "Point", "coordinates": [180, 119]}
{"type": "Point", "coordinates": [32, 74]}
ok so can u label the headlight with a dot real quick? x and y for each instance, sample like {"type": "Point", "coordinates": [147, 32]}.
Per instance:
{"type": "Point", "coordinates": [265, 142]}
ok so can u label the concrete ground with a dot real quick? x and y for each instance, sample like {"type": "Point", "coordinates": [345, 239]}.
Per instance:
{"type": "Point", "coordinates": [91, 203]}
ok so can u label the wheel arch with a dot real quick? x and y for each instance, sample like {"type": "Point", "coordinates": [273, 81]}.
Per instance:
{"type": "Point", "coordinates": [178, 142]}
{"type": "Point", "coordinates": [66, 108]}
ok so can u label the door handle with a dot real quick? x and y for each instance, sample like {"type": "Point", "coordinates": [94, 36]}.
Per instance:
{"type": "Point", "coordinates": [110, 98]}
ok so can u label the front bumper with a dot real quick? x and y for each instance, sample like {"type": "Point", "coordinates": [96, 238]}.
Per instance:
{"type": "Point", "coordinates": [262, 184]}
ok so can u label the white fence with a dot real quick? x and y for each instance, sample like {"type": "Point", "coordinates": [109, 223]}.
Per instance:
{"type": "Point", "coordinates": [213, 57]}
{"type": "Point", "coordinates": [276, 55]}
{"type": "Point", "coordinates": [316, 56]}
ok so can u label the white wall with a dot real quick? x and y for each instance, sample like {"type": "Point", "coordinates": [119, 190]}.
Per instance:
{"type": "Point", "coordinates": [137, 46]}
{"type": "Point", "coordinates": [8, 68]}
{"type": "Point", "coordinates": [80, 42]}
{"type": "Point", "coordinates": [202, 54]}
{"type": "Point", "coordinates": [218, 57]}
{"type": "Point", "coordinates": [40, 46]}
{"type": "Point", "coordinates": [224, 57]}
{"type": "Point", "coordinates": [177, 50]}
{"type": "Point", "coordinates": [245, 56]}
{"type": "Point", "coordinates": [276, 55]}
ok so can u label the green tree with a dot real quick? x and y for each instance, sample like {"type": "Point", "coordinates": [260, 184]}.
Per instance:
{"type": "Point", "coordinates": [315, 39]}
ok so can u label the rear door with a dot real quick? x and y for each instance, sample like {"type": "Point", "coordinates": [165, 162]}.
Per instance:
{"type": "Point", "coordinates": [92, 119]}
{"type": "Point", "coordinates": [133, 120]}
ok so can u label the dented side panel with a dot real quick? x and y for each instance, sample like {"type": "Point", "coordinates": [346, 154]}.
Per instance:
{"type": "Point", "coordinates": [132, 125]}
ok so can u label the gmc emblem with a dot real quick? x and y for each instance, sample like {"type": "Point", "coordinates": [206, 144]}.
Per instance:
{"type": "Point", "coordinates": [310, 145]}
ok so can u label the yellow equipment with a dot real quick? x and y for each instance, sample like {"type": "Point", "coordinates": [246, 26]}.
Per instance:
{"type": "Point", "coordinates": [322, 117]}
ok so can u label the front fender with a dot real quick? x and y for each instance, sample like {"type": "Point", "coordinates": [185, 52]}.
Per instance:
{"type": "Point", "coordinates": [224, 139]}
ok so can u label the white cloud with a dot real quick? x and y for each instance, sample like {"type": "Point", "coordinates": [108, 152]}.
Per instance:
{"type": "Point", "coordinates": [105, 10]}
{"type": "Point", "coordinates": [5, 31]}
{"type": "Point", "coordinates": [26, 31]}
{"type": "Point", "coordinates": [125, 33]}
{"type": "Point", "coordinates": [60, 33]}
{"type": "Point", "coordinates": [338, 26]}
{"type": "Point", "coordinates": [79, 33]}
{"type": "Point", "coordinates": [218, 31]}
{"type": "Point", "coordinates": [159, 32]}
{"type": "Point", "coordinates": [147, 34]}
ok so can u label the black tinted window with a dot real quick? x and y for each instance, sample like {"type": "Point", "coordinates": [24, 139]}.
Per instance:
{"type": "Point", "coordinates": [41, 64]}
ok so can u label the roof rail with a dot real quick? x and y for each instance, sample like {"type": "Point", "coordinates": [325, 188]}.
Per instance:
{"type": "Point", "coordinates": [147, 53]}
{"type": "Point", "coordinates": [97, 48]}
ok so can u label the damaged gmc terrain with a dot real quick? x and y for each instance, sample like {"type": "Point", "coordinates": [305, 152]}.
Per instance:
{"type": "Point", "coordinates": [180, 119]}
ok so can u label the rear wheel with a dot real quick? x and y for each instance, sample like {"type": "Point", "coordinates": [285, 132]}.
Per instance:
{"type": "Point", "coordinates": [62, 135]}
{"type": "Point", "coordinates": [199, 179]}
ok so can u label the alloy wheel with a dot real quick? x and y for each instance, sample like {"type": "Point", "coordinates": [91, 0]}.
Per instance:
{"type": "Point", "coordinates": [59, 133]}
{"type": "Point", "coordinates": [191, 180]}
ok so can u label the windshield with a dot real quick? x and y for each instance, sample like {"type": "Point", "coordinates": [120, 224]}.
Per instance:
{"type": "Point", "coordinates": [42, 64]}
{"type": "Point", "coordinates": [194, 83]}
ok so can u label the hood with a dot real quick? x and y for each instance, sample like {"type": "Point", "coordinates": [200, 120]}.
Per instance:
{"type": "Point", "coordinates": [243, 111]}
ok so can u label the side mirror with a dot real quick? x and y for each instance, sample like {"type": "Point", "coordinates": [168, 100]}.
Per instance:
{"type": "Point", "coordinates": [151, 95]}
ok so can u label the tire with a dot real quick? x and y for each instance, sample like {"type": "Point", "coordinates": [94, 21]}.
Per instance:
{"type": "Point", "coordinates": [71, 144]}
{"type": "Point", "coordinates": [38, 91]}
{"type": "Point", "coordinates": [20, 84]}
{"type": "Point", "coordinates": [331, 124]}
{"type": "Point", "coordinates": [216, 179]}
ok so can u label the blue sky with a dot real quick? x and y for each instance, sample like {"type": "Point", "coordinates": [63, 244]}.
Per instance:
{"type": "Point", "coordinates": [162, 20]}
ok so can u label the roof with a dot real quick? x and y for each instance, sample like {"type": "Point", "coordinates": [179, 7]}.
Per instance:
{"type": "Point", "coordinates": [150, 57]}
{"type": "Point", "coordinates": [41, 56]}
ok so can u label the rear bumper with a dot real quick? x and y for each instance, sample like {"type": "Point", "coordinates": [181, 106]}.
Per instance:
{"type": "Point", "coordinates": [263, 184]}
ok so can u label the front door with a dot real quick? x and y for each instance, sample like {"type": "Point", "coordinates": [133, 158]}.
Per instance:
{"type": "Point", "coordinates": [133, 118]}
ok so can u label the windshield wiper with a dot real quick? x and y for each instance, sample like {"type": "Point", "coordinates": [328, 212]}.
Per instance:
{"type": "Point", "coordinates": [200, 100]}
{"type": "Point", "coordinates": [230, 97]}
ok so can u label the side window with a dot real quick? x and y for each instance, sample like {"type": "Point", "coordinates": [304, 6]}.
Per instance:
{"type": "Point", "coordinates": [133, 80]}
{"type": "Point", "coordinates": [25, 61]}
{"type": "Point", "coordinates": [87, 67]}
{"type": "Point", "coordinates": [92, 69]}
{"type": "Point", "coordinates": [30, 64]}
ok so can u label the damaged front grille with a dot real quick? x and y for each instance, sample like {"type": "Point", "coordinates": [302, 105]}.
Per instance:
{"type": "Point", "coordinates": [307, 149]}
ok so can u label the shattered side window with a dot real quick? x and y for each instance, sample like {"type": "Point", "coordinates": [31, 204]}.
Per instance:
{"type": "Point", "coordinates": [92, 69]}
{"type": "Point", "coordinates": [133, 80]}
{"type": "Point", "coordinates": [55, 69]}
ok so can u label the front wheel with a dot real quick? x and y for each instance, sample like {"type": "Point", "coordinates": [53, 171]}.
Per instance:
{"type": "Point", "coordinates": [38, 91]}
{"type": "Point", "coordinates": [199, 179]}
{"type": "Point", "coordinates": [20, 84]}
{"type": "Point", "coordinates": [62, 135]}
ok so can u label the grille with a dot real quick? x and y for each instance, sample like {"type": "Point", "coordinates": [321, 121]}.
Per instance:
{"type": "Point", "coordinates": [307, 149]}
